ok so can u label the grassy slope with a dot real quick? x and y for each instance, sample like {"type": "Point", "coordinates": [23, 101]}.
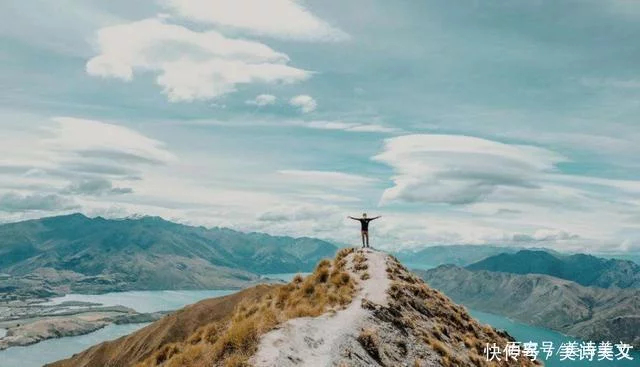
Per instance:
{"type": "Point", "coordinates": [225, 329]}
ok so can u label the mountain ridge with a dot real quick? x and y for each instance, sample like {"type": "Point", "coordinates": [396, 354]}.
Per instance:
{"type": "Point", "coordinates": [148, 253]}
{"type": "Point", "coordinates": [583, 269]}
{"type": "Point", "coordinates": [412, 324]}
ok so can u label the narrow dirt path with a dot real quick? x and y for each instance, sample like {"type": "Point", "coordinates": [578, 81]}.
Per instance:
{"type": "Point", "coordinates": [315, 341]}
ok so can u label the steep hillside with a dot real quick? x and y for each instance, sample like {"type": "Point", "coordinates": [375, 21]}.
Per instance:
{"type": "Point", "coordinates": [583, 269]}
{"type": "Point", "coordinates": [587, 312]}
{"type": "Point", "coordinates": [173, 328]}
{"type": "Point", "coordinates": [97, 254]}
{"type": "Point", "coordinates": [361, 309]}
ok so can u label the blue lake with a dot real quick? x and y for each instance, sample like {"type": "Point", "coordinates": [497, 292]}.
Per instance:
{"type": "Point", "coordinates": [55, 349]}
{"type": "Point", "coordinates": [144, 301]}
{"type": "Point", "coordinates": [287, 277]}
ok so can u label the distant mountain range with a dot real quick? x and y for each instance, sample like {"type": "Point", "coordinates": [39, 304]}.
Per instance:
{"type": "Point", "coordinates": [583, 269]}
{"type": "Point", "coordinates": [460, 255]}
{"type": "Point", "coordinates": [587, 312]}
{"type": "Point", "coordinates": [77, 253]}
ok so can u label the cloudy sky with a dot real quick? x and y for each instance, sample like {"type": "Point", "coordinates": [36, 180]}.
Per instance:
{"type": "Point", "coordinates": [499, 122]}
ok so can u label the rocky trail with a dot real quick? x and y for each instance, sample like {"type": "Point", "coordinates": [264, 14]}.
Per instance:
{"type": "Point", "coordinates": [317, 341]}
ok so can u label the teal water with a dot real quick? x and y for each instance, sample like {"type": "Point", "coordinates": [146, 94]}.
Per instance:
{"type": "Point", "coordinates": [287, 277]}
{"type": "Point", "coordinates": [525, 333]}
{"type": "Point", "coordinates": [55, 349]}
{"type": "Point", "coordinates": [144, 301]}
{"type": "Point", "coordinates": [419, 266]}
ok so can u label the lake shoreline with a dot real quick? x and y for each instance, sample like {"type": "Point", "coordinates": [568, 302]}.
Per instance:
{"type": "Point", "coordinates": [29, 320]}
{"type": "Point", "coordinates": [32, 322]}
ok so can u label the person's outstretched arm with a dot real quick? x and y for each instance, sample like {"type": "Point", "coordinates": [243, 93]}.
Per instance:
{"type": "Point", "coordinates": [353, 218]}
{"type": "Point", "coordinates": [379, 216]}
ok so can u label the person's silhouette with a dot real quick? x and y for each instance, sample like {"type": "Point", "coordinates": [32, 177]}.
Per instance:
{"type": "Point", "coordinates": [364, 227]}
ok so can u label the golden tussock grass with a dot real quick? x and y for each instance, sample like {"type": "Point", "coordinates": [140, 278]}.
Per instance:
{"type": "Point", "coordinates": [370, 341]}
{"type": "Point", "coordinates": [233, 341]}
{"type": "Point", "coordinates": [438, 346]}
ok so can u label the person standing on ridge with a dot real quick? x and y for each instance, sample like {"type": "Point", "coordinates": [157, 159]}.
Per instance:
{"type": "Point", "coordinates": [364, 227]}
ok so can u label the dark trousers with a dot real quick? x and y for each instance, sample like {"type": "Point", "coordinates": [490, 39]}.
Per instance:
{"type": "Point", "coordinates": [365, 236]}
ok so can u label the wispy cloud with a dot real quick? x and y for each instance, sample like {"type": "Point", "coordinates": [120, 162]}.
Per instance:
{"type": "Point", "coordinates": [114, 141]}
{"type": "Point", "coordinates": [327, 178]}
{"type": "Point", "coordinates": [262, 100]}
{"type": "Point", "coordinates": [13, 202]}
{"type": "Point", "coordinates": [95, 187]}
{"type": "Point", "coordinates": [287, 19]}
{"type": "Point", "coordinates": [349, 126]}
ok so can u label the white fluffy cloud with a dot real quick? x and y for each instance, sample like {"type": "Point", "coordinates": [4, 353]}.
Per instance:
{"type": "Point", "coordinates": [304, 102]}
{"type": "Point", "coordinates": [460, 169]}
{"type": "Point", "coordinates": [287, 19]}
{"type": "Point", "coordinates": [82, 135]}
{"type": "Point", "coordinates": [190, 65]}
{"type": "Point", "coordinates": [65, 157]}
{"type": "Point", "coordinates": [262, 100]}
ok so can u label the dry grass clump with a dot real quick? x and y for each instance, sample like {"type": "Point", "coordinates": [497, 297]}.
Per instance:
{"type": "Point", "coordinates": [438, 346]}
{"type": "Point", "coordinates": [360, 262]}
{"type": "Point", "coordinates": [167, 352]}
{"type": "Point", "coordinates": [365, 275]}
{"type": "Point", "coordinates": [233, 341]}
{"type": "Point", "coordinates": [344, 253]}
{"type": "Point", "coordinates": [370, 341]}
